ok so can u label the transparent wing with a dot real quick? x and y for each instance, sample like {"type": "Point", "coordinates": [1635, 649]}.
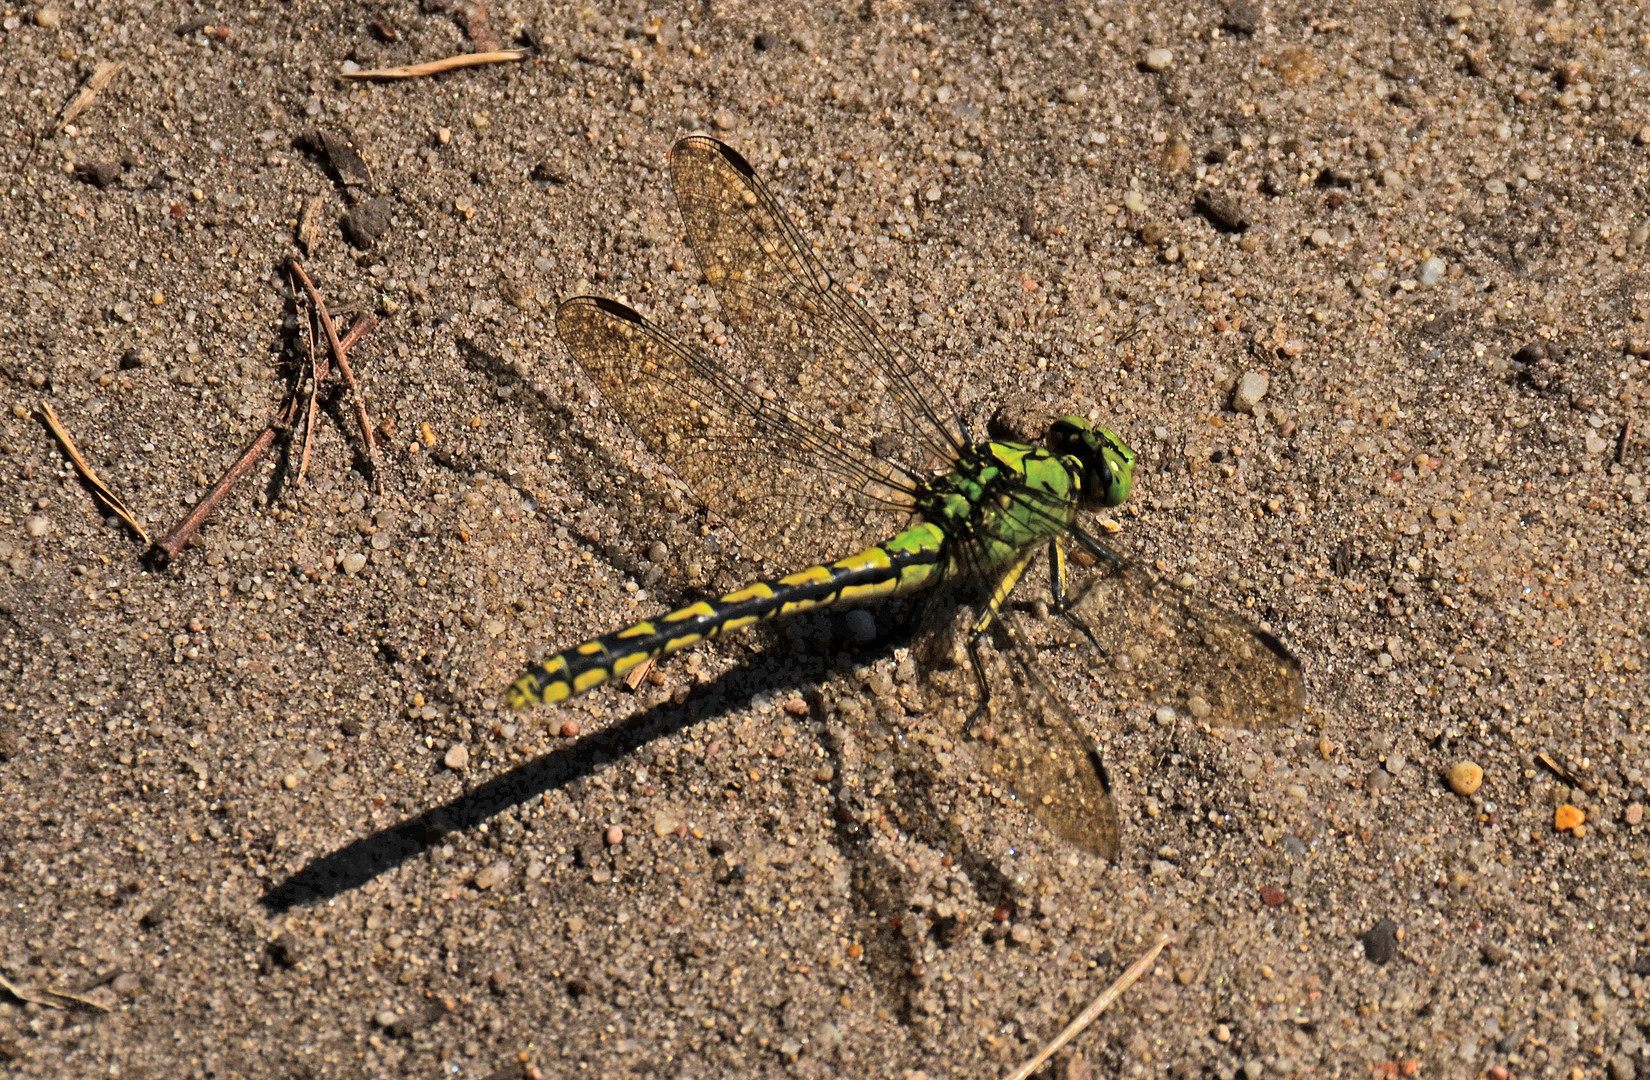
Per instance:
{"type": "Point", "coordinates": [793, 488]}
{"type": "Point", "coordinates": [819, 347]}
{"type": "Point", "coordinates": [1161, 645]}
{"type": "Point", "coordinates": [1038, 750]}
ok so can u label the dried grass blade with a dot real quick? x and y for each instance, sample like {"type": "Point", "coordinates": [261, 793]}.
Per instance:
{"type": "Point", "coordinates": [91, 479]}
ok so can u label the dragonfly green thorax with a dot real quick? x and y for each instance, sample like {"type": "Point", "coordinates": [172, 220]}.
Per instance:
{"type": "Point", "coordinates": [999, 497]}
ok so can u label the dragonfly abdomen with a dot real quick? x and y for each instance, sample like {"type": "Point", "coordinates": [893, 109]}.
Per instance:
{"type": "Point", "coordinates": [908, 563]}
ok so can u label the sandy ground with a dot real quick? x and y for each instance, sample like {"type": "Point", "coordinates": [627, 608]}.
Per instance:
{"type": "Point", "coordinates": [262, 806]}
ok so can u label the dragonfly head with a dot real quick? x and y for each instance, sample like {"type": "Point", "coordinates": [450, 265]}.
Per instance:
{"type": "Point", "coordinates": [1106, 462]}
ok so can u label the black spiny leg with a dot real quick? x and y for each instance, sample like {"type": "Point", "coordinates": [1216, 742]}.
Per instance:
{"type": "Point", "coordinates": [1057, 590]}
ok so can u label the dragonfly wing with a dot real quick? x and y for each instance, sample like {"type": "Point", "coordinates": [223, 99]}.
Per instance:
{"type": "Point", "coordinates": [794, 489]}
{"type": "Point", "coordinates": [813, 338]}
{"type": "Point", "coordinates": [1162, 645]}
{"type": "Point", "coordinates": [1037, 749]}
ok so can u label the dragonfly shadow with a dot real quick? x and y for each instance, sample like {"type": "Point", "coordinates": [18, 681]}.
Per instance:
{"type": "Point", "coordinates": [357, 863]}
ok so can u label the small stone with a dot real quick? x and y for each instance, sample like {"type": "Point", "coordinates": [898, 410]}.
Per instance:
{"type": "Point", "coordinates": [1134, 202]}
{"type": "Point", "coordinates": [1241, 17]}
{"type": "Point", "coordinates": [1380, 941]}
{"type": "Point", "coordinates": [569, 728]}
{"type": "Point", "coordinates": [1432, 271]}
{"type": "Point", "coordinates": [663, 824]}
{"type": "Point", "coordinates": [457, 758]}
{"type": "Point", "coordinates": [932, 194]}
{"type": "Point", "coordinates": [1021, 934]}
{"type": "Point", "coordinates": [1465, 777]}
{"type": "Point", "coordinates": [1460, 13]}
{"type": "Point", "coordinates": [1322, 238]}
{"type": "Point", "coordinates": [862, 625]}
{"type": "Point", "coordinates": [1158, 59]}
{"type": "Point", "coordinates": [37, 525]}
{"type": "Point", "coordinates": [367, 221]}
{"type": "Point", "coordinates": [614, 836]}
{"type": "Point", "coordinates": [1250, 389]}
{"type": "Point", "coordinates": [99, 174]}
{"type": "Point", "coordinates": [1568, 817]}
{"type": "Point", "coordinates": [125, 312]}
{"type": "Point", "coordinates": [1223, 1034]}
{"type": "Point", "coordinates": [1073, 94]}
{"type": "Point", "coordinates": [1634, 814]}
{"type": "Point", "coordinates": [384, 1017]}
{"type": "Point", "coordinates": [1222, 210]}
{"type": "Point", "coordinates": [492, 876]}
{"type": "Point", "coordinates": [1273, 897]}
{"type": "Point", "coordinates": [1396, 763]}
{"type": "Point", "coordinates": [48, 18]}
{"type": "Point", "coordinates": [1640, 234]}
{"type": "Point", "coordinates": [724, 120]}
{"type": "Point", "coordinates": [1622, 1068]}
{"type": "Point", "coordinates": [354, 562]}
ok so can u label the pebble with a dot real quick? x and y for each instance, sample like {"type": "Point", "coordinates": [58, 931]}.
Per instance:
{"type": "Point", "coordinates": [48, 18]}
{"type": "Point", "coordinates": [569, 728]}
{"type": "Point", "coordinates": [458, 757]}
{"type": "Point", "coordinates": [496, 874]}
{"type": "Point", "coordinates": [1432, 271]}
{"type": "Point", "coordinates": [1159, 59]}
{"type": "Point", "coordinates": [614, 836]}
{"type": "Point", "coordinates": [1396, 763]}
{"type": "Point", "coordinates": [354, 562]}
{"type": "Point", "coordinates": [1465, 777]}
{"type": "Point", "coordinates": [37, 525]}
{"type": "Point", "coordinates": [861, 625]}
{"type": "Point", "coordinates": [367, 221]}
{"type": "Point", "coordinates": [1568, 817]}
{"type": "Point", "coordinates": [1635, 813]}
{"type": "Point", "coordinates": [663, 824]}
{"type": "Point", "coordinates": [1380, 941]}
{"type": "Point", "coordinates": [1250, 389]}
{"type": "Point", "coordinates": [1223, 209]}
{"type": "Point", "coordinates": [384, 1017]}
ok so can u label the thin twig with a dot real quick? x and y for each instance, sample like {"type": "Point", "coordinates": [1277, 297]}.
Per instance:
{"type": "Point", "coordinates": [99, 488]}
{"type": "Point", "coordinates": [436, 67]}
{"type": "Point", "coordinates": [174, 541]}
{"type": "Point", "coordinates": [340, 356]}
{"type": "Point", "coordinates": [314, 394]}
{"type": "Point", "coordinates": [78, 104]}
{"type": "Point", "coordinates": [1101, 1003]}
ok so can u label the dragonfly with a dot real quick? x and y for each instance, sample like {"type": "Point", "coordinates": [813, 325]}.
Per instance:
{"type": "Point", "coordinates": [824, 435]}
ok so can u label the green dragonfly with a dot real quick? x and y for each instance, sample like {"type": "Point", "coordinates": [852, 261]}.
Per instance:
{"type": "Point", "coordinates": [824, 435]}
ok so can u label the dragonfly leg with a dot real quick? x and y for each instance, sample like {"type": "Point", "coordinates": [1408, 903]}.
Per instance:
{"type": "Point", "coordinates": [997, 598]}
{"type": "Point", "coordinates": [1058, 580]}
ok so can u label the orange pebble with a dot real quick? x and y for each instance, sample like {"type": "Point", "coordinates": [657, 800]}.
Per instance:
{"type": "Point", "coordinates": [1567, 817]}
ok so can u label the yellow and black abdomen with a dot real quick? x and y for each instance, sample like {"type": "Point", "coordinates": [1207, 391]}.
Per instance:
{"type": "Point", "coordinates": [908, 563]}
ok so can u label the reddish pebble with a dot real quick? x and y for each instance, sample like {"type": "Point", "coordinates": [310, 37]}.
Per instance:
{"type": "Point", "coordinates": [1568, 817]}
{"type": "Point", "coordinates": [1497, 1072]}
{"type": "Point", "coordinates": [1272, 897]}
{"type": "Point", "coordinates": [1635, 813]}
{"type": "Point", "coordinates": [615, 836]}
{"type": "Point", "coordinates": [1002, 914]}
{"type": "Point", "coordinates": [569, 728]}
